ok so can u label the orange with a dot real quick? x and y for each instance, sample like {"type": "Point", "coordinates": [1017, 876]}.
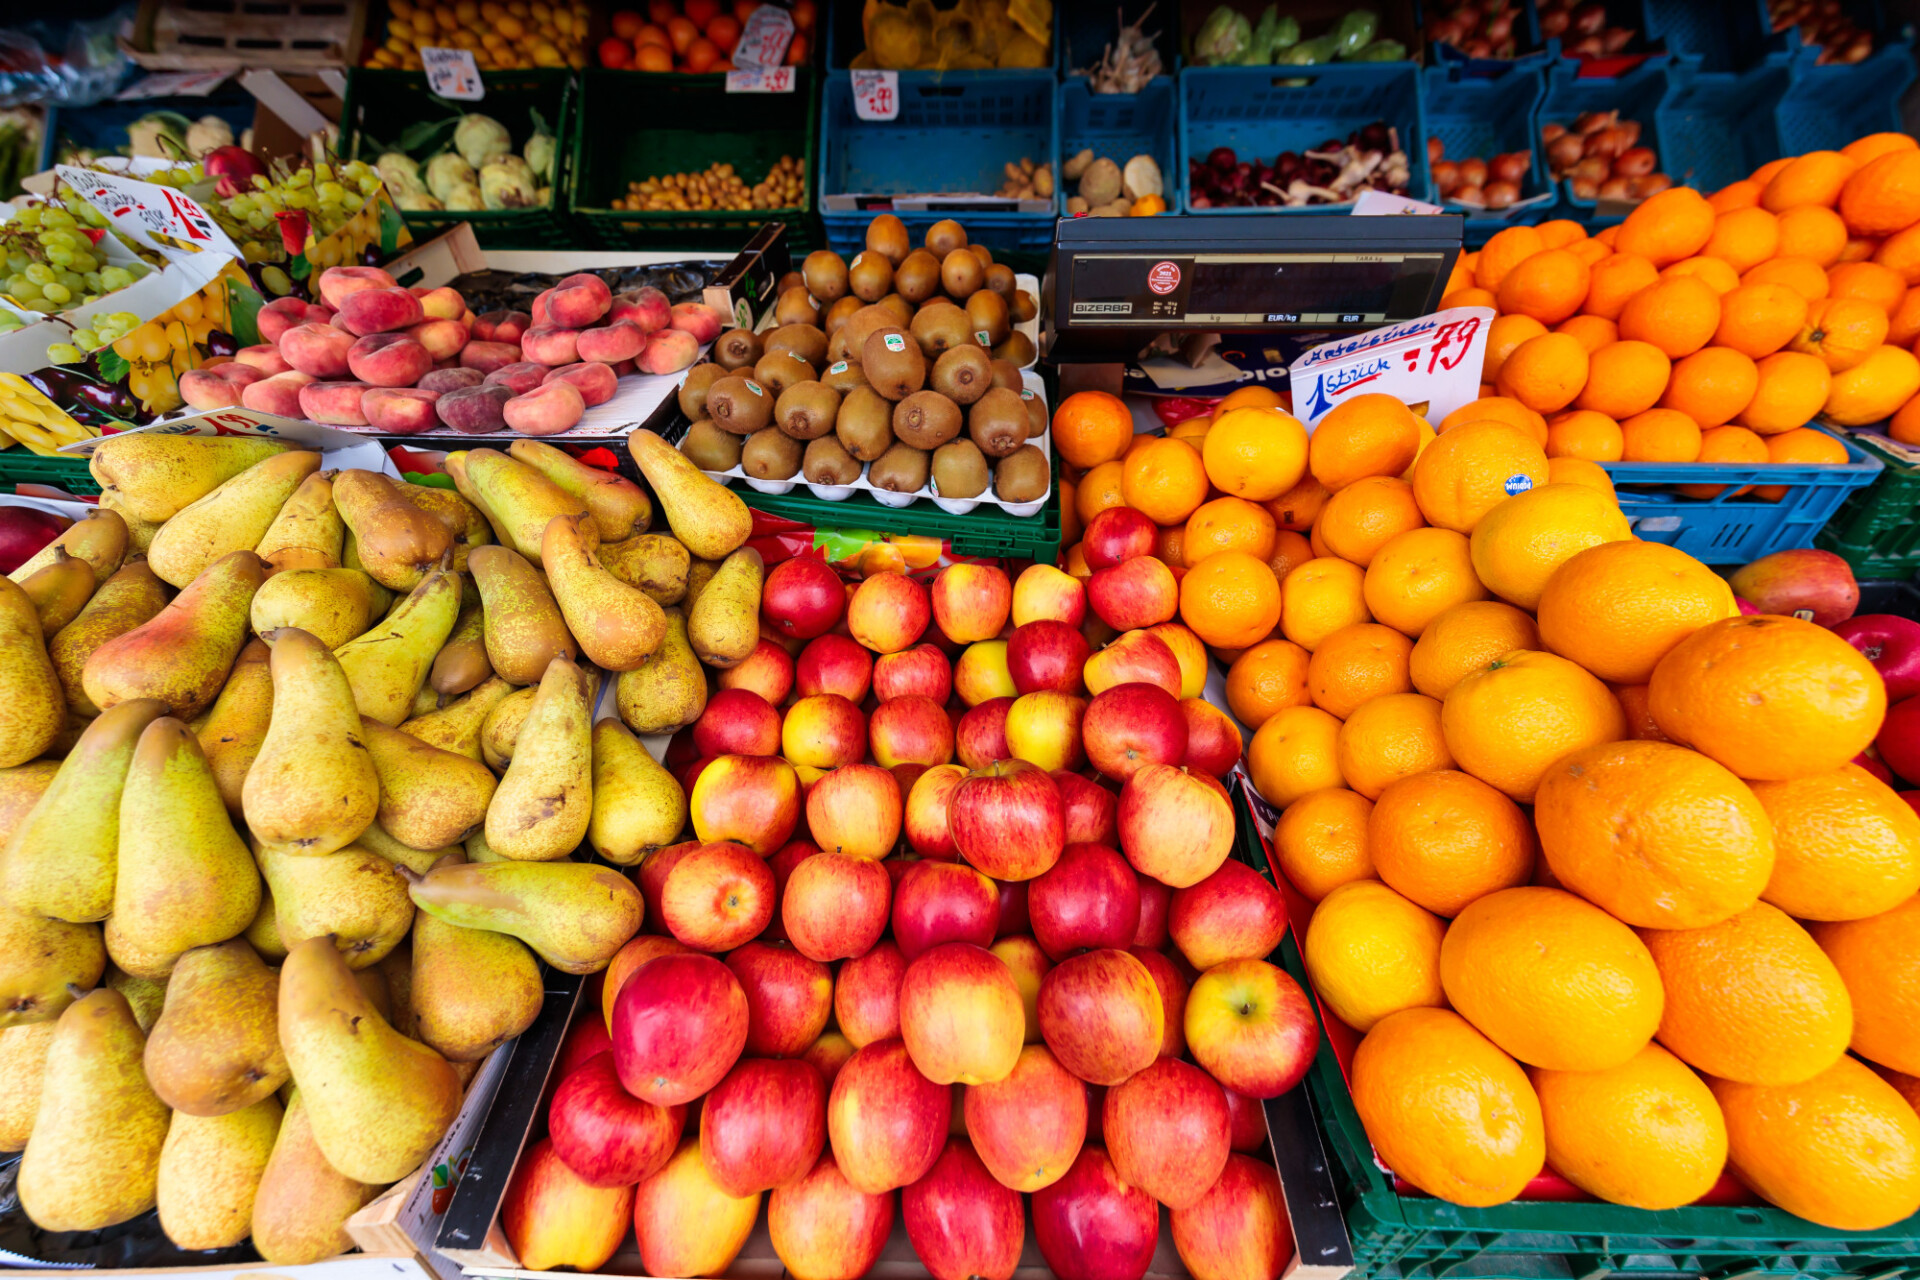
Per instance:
{"type": "Point", "coordinates": [1461, 277]}
{"type": "Point", "coordinates": [1711, 386]}
{"type": "Point", "coordinates": [1667, 227]}
{"type": "Point", "coordinates": [1228, 524]}
{"type": "Point", "coordinates": [1900, 253]}
{"type": "Point", "coordinates": [1371, 953]}
{"type": "Point", "coordinates": [1873, 389]}
{"type": "Point", "coordinates": [1249, 397]}
{"type": "Point", "coordinates": [1290, 551]}
{"type": "Point", "coordinates": [1469, 469]}
{"type": "Point", "coordinates": [1165, 479]}
{"type": "Point", "coordinates": [1369, 435]}
{"type": "Point", "coordinates": [1230, 600]}
{"type": "Point", "coordinates": [1298, 507]}
{"type": "Point", "coordinates": [1465, 638]}
{"type": "Point", "coordinates": [1293, 754]}
{"type": "Point", "coordinates": [1845, 846]}
{"type": "Point", "coordinates": [1791, 388]}
{"type": "Point", "coordinates": [1509, 721]}
{"type": "Point", "coordinates": [1751, 998]}
{"type": "Point", "coordinates": [1092, 427]}
{"type": "Point", "coordinates": [1071, 526]}
{"type": "Point", "coordinates": [1802, 275]}
{"type": "Point", "coordinates": [1169, 545]}
{"type": "Point", "coordinates": [1813, 178]}
{"type": "Point", "coordinates": [1904, 426]}
{"type": "Point", "coordinates": [1591, 332]}
{"type": "Point", "coordinates": [1445, 838]}
{"type": "Point", "coordinates": [1583, 433]}
{"type": "Point", "coordinates": [1255, 453]}
{"type": "Point", "coordinates": [1678, 316]}
{"type": "Point", "coordinates": [1614, 280]}
{"type": "Point", "coordinates": [1813, 232]}
{"type": "Point", "coordinates": [1609, 236]}
{"type": "Point", "coordinates": [1266, 678]}
{"type": "Point", "coordinates": [1193, 431]}
{"type": "Point", "coordinates": [1884, 195]}
{"type": "Point", "coordinates": [1660, 435]}
{"type": "Point", "coordinates": [1469, 297]}
{"type": "Point", "coordinates": [1618, 608]}
{"type": "Point", "coordinates": [1554, 981]}
{"type": "Point", "coordinates": [1580, 471]}
{"type": "Point", "coordinates": [1360, 518]}
{"type": "Point", "coordinates": [1640, 722]}
{"type": "Point", "coordinates": [1497, 409]}
{"type": "Point", "coordinates": [1907, 1086]}
{"type": "Point", "coordinates": [653, 55]}
{"type": "Point", "coordinates": [1768, 697]}
{"type": "Point", "coordinates": [1744, 194]}
{"type": "Point", "coordinates": [1625, 378]}
{"type": "Point", "coordinates": [1765, 173]}
{"type": "Point", "coordinates": [1503, 252]}
{"type": "Point", "coordinates": [1545, 373]}
{"type": "Point", "coordinates": [1646, 1133]}
{"type": "Point", "coordinates": [1875, 145]}
{"type": "Point", "coordinates": [1725, 444]}
{"type": "Point", "coordinates": [1389, 738]}
{"type": "Point", "coordinates": [1356, 664]}
{"type": "Point", "coordinates": [1868, 282]}
{"type": "Point", "coordinates": [1841, 331]}
{"type": "Point", "coordinates": [1860, 250]}
{"type": "Point", "coordinates": [1318, 544]}
{"type": "Point", "coordinates": [1098, 490]}
{"type": "Point", "coordinates": [1549, 286]}
{"type": "Point", "coordinates": [1521, 542]}
{"type": "Point", "coordinates": [1744, 238]}
{"type": "Point", "coordinates": [1759, 319]}
{"type": "Point", "coordinates": [1903, 324]}
{"type": "Point", "coordinates": [1657, 835]}
{"type": "Point", "coordinates": [1561, 232]}
{"type": "Point", "coordinates": [1417, 576]}
{"type": "Point", "coordinates": [1712, 272]}
{"type": "Point", "coordinates": [1879, 960]}
{"type": "Point", "coordinates": [1074, 561]}
{"type": "Point", "coordinates": [1504, 337]}
{"type": "Point", "coordinates": [1320, 597]}
{"type": "Point", "coordinates": [1841, 1149]}
{"type": "Point", "coordinates": [1321, 841]}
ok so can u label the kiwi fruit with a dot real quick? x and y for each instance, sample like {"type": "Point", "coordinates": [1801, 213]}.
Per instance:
{"type": "Point", "coordinates": [893, 363]}
{"type": "Point", "coordinates": [837, 314]}
{"type": "Point", "coordinates": [1007, 374]}
{"type": "Point", "coordinates": [736, 349]}
{"type": "Point", "coordinates": [779, 370]}
{"type": "Point", "coordinates": [1000, 280]}
{"type": "Point", "coordinates": [864, 424]}
{"type": "Point", "coordinates": [902, 469]}
{"type": "Point", "coordinates": [693, 389]}
{"type": "Point", "coordinates": [983, 253]}
{"type": "Point", "coordinates": [870, 277]}
{"type": "Point", "coordinates": [926, 420]}
{"type": "Point", "coordinates": [1036, 414]}
{"type": "Point", "coordinates": [940, 326]}
{"type": "Point", "coordinates": [998, 422]}
{"type": "Point", "coordinates": [1017, 347]}
{"type": "Point", "coordinates": [962, 374]}
{"type": "Point", "coordinates": [901, 308]}
{"type": "Point", "coordinates": [918, 278]}
{"type": "Point", "coordinates": [944, 236]}
{"type": "Point", "coordinates": [852, 336]}
{"type": "Point", "coordinates": [709, 448]}
{"type": "Point", "coordinates": [826, 275]}
{"type": "Point", "coordinates": [843, 376]}
{"type": "Point", "coordinates": [796, 306]}
{"type": "Point", "coordinates": [1023, 306]}
{"type": "Point", "coordinates": [739, 405]}
{"type": "Point", "coordinates": [887, 236]}
{"type": "Point", "coordinates": [987, 317]}
{"type": "Point", "coordinates": [790, 280]}
{"type": "Point", "coordinates": [961, 274]}
{"type": "Point", "coordinates": [770, 454]}
{"type": "Point", "coordinates": [826, 462]}
{"type": "Point", "coordinates": [1021, 476]}
{"type": "Point", "coordinates": [960, 469]}
{"type": "Point", "coordinates": [803, 340]}
{"type": "Point", "coordinates": [806, 410]}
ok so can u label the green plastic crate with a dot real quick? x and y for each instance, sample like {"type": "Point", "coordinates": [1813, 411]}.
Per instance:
{"type": "Point", "coordinates": [1875, 529]}
{"type": "Point", "coordinates": [381, 103]}
{"type": "Point", "coordinates": [20, 465]}
{"type": "Point", "coordinates": [647, 124]}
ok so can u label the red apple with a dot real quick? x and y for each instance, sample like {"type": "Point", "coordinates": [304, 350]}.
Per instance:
{"type": "Point", "coordinates": [980, 736]}
{"type": "Point", "coordinates": [1156, 900]}
{"type": "Point", "coordinates": [824, 1228]}
{"type": "Point", "coordinates": [1134, 593]}
{"type": "Point", "coordinates": [24, 533]}
{"type": "Point", "coordinates": [1100, 1013]}
{"type": "Point", "coordinates": [767, 671]}
{"type": "Point", "coordinates": [830, 1053]}
{"type": "Point", "coordinates": [684, 1224]}
{"type": "Point", "coordinates": [1044, 729]}
{"type": "Point", "coordinates": [1028, 964]}
{"type": "Point", "coordinates": [1176, 825]}
{"type": "Point", "coordinates": [1238, 1230]}
{"type": "Point", "coordinates": [789, 998]}
{"type": "Point", "coordinates": [1248, 1119]}
{"type": "Point", "coordinates": [1213, 740]}
{"type": "Point", "coordinates": [922, 669]}
{"type": "Point", "coordinates": [1115, 536]}
{"type": "Point", "coordinates": [926, 813]}
{"type": "Point", "coordinates": [1167, 1131]}
{"type": "Point", "coordinates": [717, 896]}
{"type": "Point", "coordinates": [676, 1033]}
{"type": "Point", "coordinates": [910, 730]}
{"type": "Point", "coordinates": [961, 1223]}
{"type": "Point", "coordinates": [1006, 820]}
{"type": "Point", "coordinates": [627, 961]}
{"type": "Point", "coordinates": [1014, 917]}
{"type": "Point", "coordinates": [888, 612]}
{"type": "Point", "coordinates": [1048, 654]}
{"type": "Point", "coordinates": [1138, 657]}
{"type": "Point", "coordinates": [1892, 644]}
{"type": "Point", "coordinates": [1088, 899]}
{"type": "Point", "coordinates": [823, 731]}
{"type": "Point", "coordinates": [1091, 811]}
{"type": "Point", "coordinates": [1803, 581]}
{"type": "Point", "coordinates": [1251, 1027]}
{"type": "Point", "coordinates": [1131, 726]}
{"type": "Point", "coordinates": [887, 1122]}
{"type": "Point", "coordinates": [754, 800]}
{"type": "Point", "coordinates": [764, 1126]}
{"type": "Point", "coordinates": [855, 810]}
{"type": "Point", "coordinates": [651, 874]}
{"type": "Point", "coordinates": [553, 1218]}
{"type": "Point", "coordinates": [938, 902]}
{"type": "Point", "coordinates": [1029, 1127]}
{"type": "Point", "coordinates": [737, 722]}
{"type": "Point", "coordinates": [981, 673]}
{"type": "Point", "coordinates": [961, 1015]}
{"type": "Point", "coordinates": [866, 995]}
{"type": "Point", "coordinates": [802, 597]}
{"type": "Point", "coordinates": [1043, 591]}
{"type": "Point", "coordinates": [587, 1038]}
{"type": "Point", "coordinates": [782, 864]}
{"type": "Point", "coordinates": [836, 906]}
{"type": "Point", "coordinates": [833, 664]}
{"type": "Point", "coordinates": [603, 1133]}
{"type": "Point", "coordinates": [1092, 1226]}
{"type": "Point", "coordinates": [1233, 914]}
{"type": "Point", "coordinates": [971, 601]}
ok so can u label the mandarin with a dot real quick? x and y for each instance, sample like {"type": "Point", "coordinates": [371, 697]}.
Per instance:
{"type": "Point", "coordinates": [1419, 575]}
{"type": "Point", "coordinates": [1320, 597]}
{"type": "Point", "coordinates": [1868, 282]}
{"type": "Point", "coordinates": [1255, 453]}
{"type": "Point", "coordinates": [1369, 435]}
{"type": "Point", "coordinates": [1497, 409]}
{"type": "Point", "coordinates": [1363, 516]}
{"type": "Point", "coordinates": [1591, 332]}
{"type": "Point", "coordinates": [1290, 551]}
{"type": "Point", "coordinates": [1265, 678]}
{"type": "Point", "coordinates": [1802, 275]}
{"type": "Point", "coordinates": [1228, 524]}
{"type": "Point", "coordinates": [1815, 177]}
{"type": "Point", "coordinates": [1389, 738]}
{"type": "Point", "coordinates": [1165, 479]}
{"type": "Point", "coordinates": [1357, 664]}
{"type": "Point", "coordinates": [1759, 319]}
{"type": "Point", "coordinates": [1679, 316]}
{"type": "Point", "coordinates": [1873, 389]}
{"type": "Point", "coordinates": [1292, 754]}
{"type": "Point", "coordinates": [1841, 331]}
{"type": "Point", "coordinates": [1321, 841]}
{"type": "Point", "coordinates": [1813, 232]}
{"type": "Point", "coordinates": [1618, 608]}
{"type": "Point", "coordinates": [1884, 195]}
{"type": "Point", "coordinates": [1371, 953]}
{"type": "Point", "coordinates": [1879, 960]}
{"type": "Point", "coordinates": [1549, 286]}
{"type": "Point", "coordinates": [1646, 1133]}
{"type": "Point", "coordinates": [1521, 542]}
{"type": "Point", "coordinates": [1614, 280]}
{"type": "Point", "coordinates": [1584, 433]}
{"type": "Point", "coordinates": [1504, 251]}
{"type": "Point", "coordinates": [1625, 378]}
{"type": "Point", "coordinates": [1545, 373]}
{"type": "Point", "coordinates": [1444, 838]}
{"type": "Point", "coordinates": [1712, 272]}
{"type": "Point", "coordinates": [1299, 507]}
{"type": "Point", "coordinates": [1465, 472]}
{"type": "Point", "coordinates": [1504, 337]}
{"type": "Point", "coordinates": [1509, 721]}
{"type": "Point", "coordinates": [1667, 227]}
{"type": "Point", "coordinates": [1845, 845]}
{"type": "Point", "coordinates": [1463, 639]}
{"type": "Point", "coordinates": [1580, 471]}
{"type": "Point", "coordinates": [1711, 386]}
{"type": "Point", "coordinates": [1230, 600]}
{"type": "Point", "coordinates": [1092, 427]}
{"type": "Point", "coordinates": [1660, 435]}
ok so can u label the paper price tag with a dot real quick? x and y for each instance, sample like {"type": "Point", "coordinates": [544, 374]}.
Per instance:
{"type": "Point", "coordinates": [876, 94]}
{"type": "Point", "coordinates": [146, 209]}
{"type": "Point", "coordinates": [760, 80]}
{"type": "Point", "coordinates": [451, 73]}
{"type": "Point", "coordinates": [764, 41]}
{"type": "Point", "coordinates": [1435, 359]}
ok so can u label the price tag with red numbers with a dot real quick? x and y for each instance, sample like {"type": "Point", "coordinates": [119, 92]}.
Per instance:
{"type": "Point", "coordinates": [1434, 360]}
{"type": "Point", "coordinates": [876, 94]}
{"type": "Point", "coordinates": [146, 209]}
{"type": "Point", "coordinates": [452, 73]}
{"type": "Point", "coordinates": [764, 41]}
{"type": "Point", "coordinates": [760, 80]}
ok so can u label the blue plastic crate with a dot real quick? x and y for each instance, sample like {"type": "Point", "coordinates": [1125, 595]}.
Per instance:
{"type": "Point", "coordinates": [1730, 530]}
{"type": "Point", "coordinates": [1718, 127]}
{"type": "Point", "coordinates": [1825, 108]}
{"type": "Point", "coordinates": [1723, 35]}
{"type": "Point", "coordinates": [103, 126]}
{"type": "Point", "coordinates": [1636, 95]}
{"type": "Point", "coordinates": [1531, 50]}
{"type": "Point", "coordinates": [1262, 111]}
{"type": "Point", "coordinates": [1083, 31]}
{"type": "Point", "coordinates": [1120, 126]}
{"type": "Point", "coordinates": [1479, 117]}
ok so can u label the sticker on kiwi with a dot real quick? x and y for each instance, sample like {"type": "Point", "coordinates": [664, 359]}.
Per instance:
{"type": "Point", "coordinates": [753, 386]}
{"type": "Point", "coordinates": [982, 337]}
{"type": "Point", "coordinates": [838, 366]}
{"type": "Point", "coordinates": [1025, 394]}
{"type": "Point", "coordinates": [893, 342]}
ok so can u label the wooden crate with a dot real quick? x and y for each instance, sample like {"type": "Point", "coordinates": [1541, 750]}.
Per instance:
{"type": "Point", "coordinates": [191, 35]}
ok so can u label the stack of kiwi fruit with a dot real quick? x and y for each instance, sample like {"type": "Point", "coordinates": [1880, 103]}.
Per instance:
{"type": "Point", "coordinates": [905, 361]}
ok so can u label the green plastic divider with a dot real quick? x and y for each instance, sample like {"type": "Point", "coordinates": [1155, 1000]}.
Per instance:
{"type": "Point", "coordinates": [1875, 529]}
{"type": "Point", "coordinates": [20, 465]}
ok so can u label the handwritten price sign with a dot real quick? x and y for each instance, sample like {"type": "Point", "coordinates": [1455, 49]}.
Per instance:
{"type": "Point", "coordinates": [146, 209]}
{"type": "Point", "coordinates": [764, 41]}
{"type": "Point", "coordinates": [452, 73]}
{"type": "Point", "coordinates": [1435, 359]}
{"type": "Point", "coordinates": [876, 94]}
{"type": "Point", "coordinates": [760, 80]}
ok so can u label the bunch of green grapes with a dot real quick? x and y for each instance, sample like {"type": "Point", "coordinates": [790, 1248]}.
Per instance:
{"type": "Point", "coordinates": [52, 265]}
{"type": "Point", "coordinates": [327, 194]}
{"type": "Point", "coordinates": [103, 331]}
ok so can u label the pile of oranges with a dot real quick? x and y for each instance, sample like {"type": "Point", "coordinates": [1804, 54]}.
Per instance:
{"type": "Point", "coordinates": [694, 36]}
{"type": "Point", "coordinates": [1595, 874]}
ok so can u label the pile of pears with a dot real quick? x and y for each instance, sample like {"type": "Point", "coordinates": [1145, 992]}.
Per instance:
{"type": "Point", "coordinates": [294, 768]}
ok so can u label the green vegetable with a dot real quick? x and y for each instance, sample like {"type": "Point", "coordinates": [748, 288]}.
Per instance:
{"type": "Point", "coordinates": [1273, 34]}
{"type": "Point", "coordinates": [1288, 34]}
{"type": "Point", "coordinates": [1355, 32]}
{"type": "Point", "coordinates": [1382, 51]}
{"type": "Point", "coordinates": [1222, 39]}
{"type": "Point", "coordinates": [1307, 53]}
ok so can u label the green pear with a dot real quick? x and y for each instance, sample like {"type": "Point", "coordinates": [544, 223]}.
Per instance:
{"type": "Point", "coordinates": [637, 805]}
{"type": "Point", "coordinates": [515, 497]}
{"type": "Point", "coordinates": [462, 662]}
{"type": "Point", "coordinates": [523, 626]}
{"type": "Point", "coordinates": [23, 1061]}
{"type": "Point", "coordinates": [373, 985]}
{"type": "Point", "coordinates": [216, 1046]}
{"type": "Point", "coordinates": [236, 724]}
{"type": "Point", "coordinates": [139, 532]}
{"type": "Point", "coordinates": [653, 562]}
{"type": "Point", "coordinates": [724, 623]}
{"type": "Point", "coordinates": [210, 1167]}
{"type": "Point", "coordinates": [308, 531]}
{"type": "Point", "coordinates": [100, 540]}
{"type": "Point", "coordinates": [502, 728]}
{"type": "Point", "coordinates": [33, 706]}
{"type": "Point", "coordinates": [379, 1101]}
{"type": "Point", "coordinates": [353, 896]}
{"type": "Point", "coordinates": [472, 989]}
{"type": "Point", "coordinates": [429, 798]}
{"type": "Point", "coordinates": [456, 726]}
{"type": "Point", "coordinates": [389, 662]}
{"type": "Point", "coordinates": [263, 935]}
{"type": "Point", "coordinates": [132, 596]}
{"type": "Point", "coordinates": [234, 517]}
{"type": "Point", "coordinates": [184, 879]}
{"type": "Point", "coordinates": [617, 625]}
{"type": "Point", "coordinates": [574, 915]}
{"type": "Point", "coordinates": [40, 959]}
{"type": "Point", "coordinates": [302, 1204]}
{"type": "Point", "coordinates": [95, 1151]}
{"type": "Point", "coordinates": [668, 691]}
{"type": "Point", "coordinates": [619, 507]}
{"type": "Point", "coordinates": [478, 850]}
{"type": "Point", "coordinates": [699, 574]}
{"type": "Point", "coordinates": [313, 787]}
{"type": "Point", "coordinates": [707, 516]}
{"type": "Point", "coordinates": [397, 541]}
{"type": "Point", "coordinates": [375, 839]}
{"type": "Point", "coordinates": [466, 522]}
{"type": "Point", "coordinates": [146, 996]}
{"type": "Point", "coordinates": [155, 475]}
{"type": "Point", "coordinates": [334, 604]}
{"type": "Point", "coordinates": [62, 858]}
{"type": "Point", "coordinates": [20, 789]}
{"type": "Point", "coordinates": [183, 653]}
{"type": "Point", "coordinates": [545, 800]}
{"type": "Point", "coordinates": [398, 971]}
{"type": "Point", "coordinates": [59, 591]}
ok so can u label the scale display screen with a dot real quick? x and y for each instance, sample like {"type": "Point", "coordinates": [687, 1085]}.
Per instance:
{"type": "Point", "coordinates": [1251, 290]}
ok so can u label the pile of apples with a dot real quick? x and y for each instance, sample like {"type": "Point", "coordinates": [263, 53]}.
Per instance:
{"type": "Point", "coordinates": [959, 921]}
{"type": "Point", "coordinates": [376, 356]}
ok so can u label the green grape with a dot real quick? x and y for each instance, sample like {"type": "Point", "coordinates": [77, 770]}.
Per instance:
{"type": "Point", "coordinates": [84, 262]}
{"type": "Point", "coordinates": [17, 262]}
{"type": "Point", "coordinates": [60, 256]}
{"type": "Point", "coordinates": [41, 305]}
{"type": "Point", "coordinates": [115, 278]}
{"type": "Point", "coordinates": [29, 217]}
{"type": "Point", "coordinates": [56, 293]}
{"type": "Point", "coordinates": [23, 290]}
{"type": "Point", "coordinates": [87, 340]}
{"type": "Point", "coordinates": [56, 218]}
{"type": "Point", "coordinates": [9, 322]}
{"type": "Point", "coordinates": [332, 192]}
{"type": "Point", "coordinates": [41, 273]}
{"type": "Point", "coordinates": [139, 269]}
{"type": "Point", "coordinates": [71, 279]}
{"type": "Point", "coordinates": [322, 173]}
{"type": "Point", "coordinates": [125, 321]}
{"type": "Point", "coordinates": [276, 281]}
{"type": "Point", "coordinates": [240, 206]}
{"type": "Point", "coordinates": [66, 353]}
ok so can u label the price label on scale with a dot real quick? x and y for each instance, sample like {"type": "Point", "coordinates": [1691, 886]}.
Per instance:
{"type": "Point", "coordinates": [876, 94]}
{"type": "Point", "coordinates": [451, 73]}
{"type": "Point", "coordinates": [760, 80]}
{"type": "Point", "coordinates": [764, 41]}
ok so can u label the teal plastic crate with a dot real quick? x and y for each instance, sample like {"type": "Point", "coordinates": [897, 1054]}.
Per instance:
{"type": "Point", "coordinates": [1482, 116]}
{"type": "Point", "coordinates": [1119, 126]}
{"type": "Point", "coordinates": [1825, 108]}
{"type": "Point", "coordinates": [1635, 94]}
{"type": "Point", "coordinates": [1718, 127]}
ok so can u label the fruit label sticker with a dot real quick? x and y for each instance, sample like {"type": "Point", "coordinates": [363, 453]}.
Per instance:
{"type": "Point", "coordinates": [838, 366]}
{"type": "Point", "coordinates": [876, 94]}
{"type": "Point", "coordinates": [764, 41]}
{"type": "Point", "coordinates": [1434, 361]}
{"type": "Point", "coordinates": [146, 210]}
{"type": "Point", "coordinates": [896, 344]}
{"type": "Point", "coordinates": [983, 338]}
{"type": "Point", "coordinates": [451, 73]}
{"type": "Point", "coordinates": [760, 79]}
{"type": "Point", "coordinates": [753, 386]}
{"type": "Point", "coordinates": [1518, 483]}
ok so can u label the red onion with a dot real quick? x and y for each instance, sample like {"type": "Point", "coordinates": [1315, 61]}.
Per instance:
{"type": "Point", "coordinates": [1435, 149]}
{"type": "Point", "coordinates": [1473, 173]}
{"type": "Point", "coordinates": [1446, 176]}
{"type": "Point", "coordinates": [1651, 185]}
{"type": "Point", "coordinates": [1587, 121]}
{"type": "Point", "coordinates": [1584, 188]}
{"type": "Point", "coordinates": [1554, 23]}
{"type": "Point", "coordinates": [1592, 168]}
{"type": "Point", "coordinates": [1511, 167]}
{"type": "Point", "coordinates": [1470, 195]}
{"type": "Point", "coordinates": [1500, 195]}
{"type": "Point", "coordinates": [1565, 151]}
{"type": "Point", "coordinates": [1635, 162]}
{"type": "Point", "coordinates": [1590, 19]}
{"type": "Point", "coordinates": [1616, 189]}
